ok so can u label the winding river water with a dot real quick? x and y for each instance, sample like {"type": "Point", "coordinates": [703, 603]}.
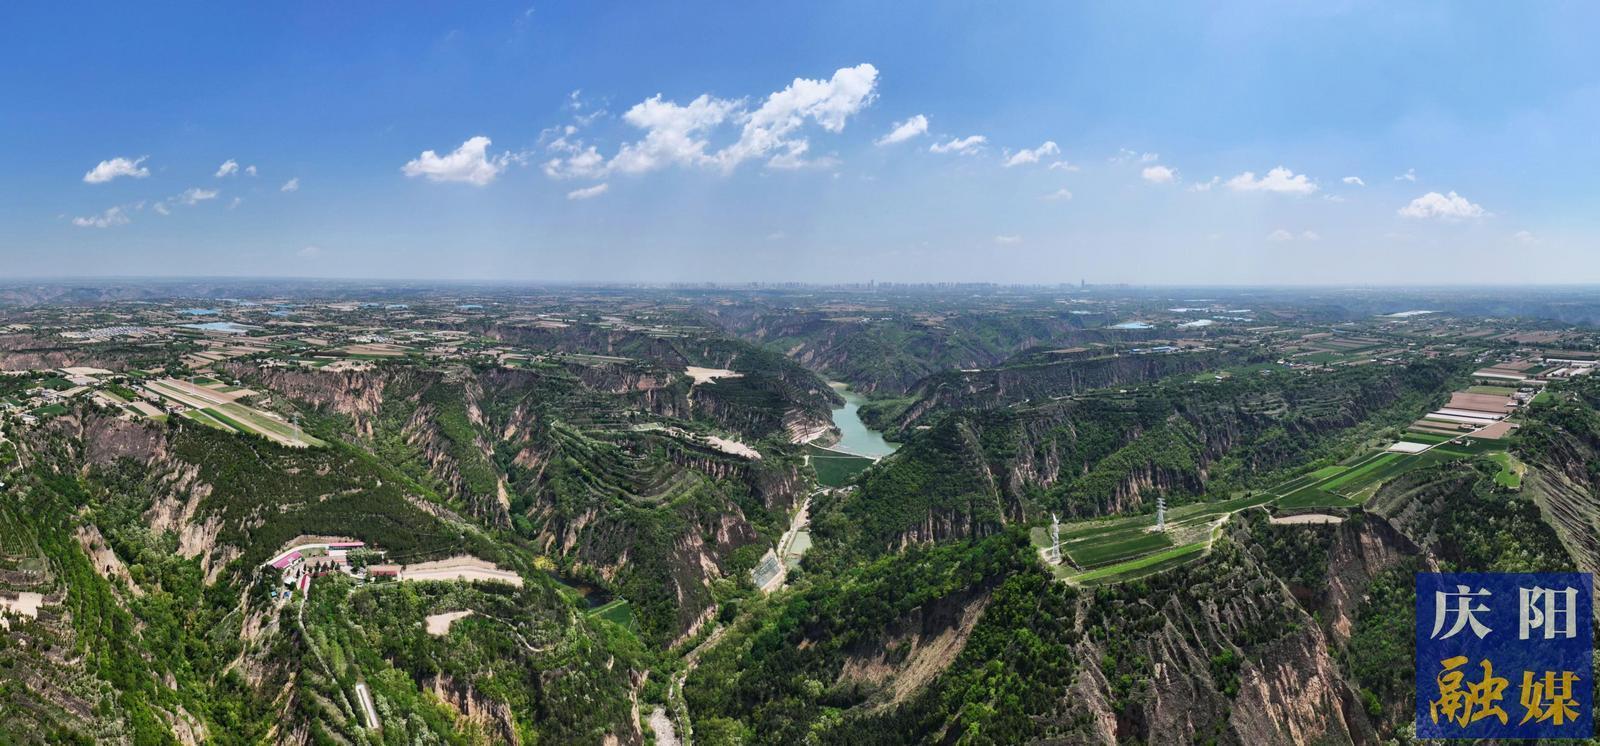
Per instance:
{"type": "Point", "coordinates": [855, 437]}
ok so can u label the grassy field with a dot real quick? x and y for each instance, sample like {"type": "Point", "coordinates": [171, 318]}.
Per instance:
{"type": "Point", "coordinates": [616, 611]}
{"type": "Point", "coordinates": [1143, 565]}
{"type": "Point", "coordinates": [1511, 470]}
{"type": "Point", "coordinates": [200, 416]}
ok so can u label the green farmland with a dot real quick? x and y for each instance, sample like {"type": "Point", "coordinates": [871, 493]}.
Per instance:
{"type": "Point", "coordinates": [1123, 548]}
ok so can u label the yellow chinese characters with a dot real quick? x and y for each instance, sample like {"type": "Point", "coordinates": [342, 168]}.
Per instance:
{"type": "Point", "coordinates": [1465, 705]}
{"type": "Point", "coordinates": [1549, 699]}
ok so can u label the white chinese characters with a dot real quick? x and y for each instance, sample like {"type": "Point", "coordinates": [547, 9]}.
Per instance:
{"type": "Point", "coordinates": [1547, 610]}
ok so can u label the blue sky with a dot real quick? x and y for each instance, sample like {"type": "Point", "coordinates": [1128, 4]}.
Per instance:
{"type": "Point", "coordinates": [1044, 142]}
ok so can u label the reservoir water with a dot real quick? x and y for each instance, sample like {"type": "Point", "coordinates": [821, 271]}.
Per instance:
{"type": "Point", "coordinates": [855, 437]}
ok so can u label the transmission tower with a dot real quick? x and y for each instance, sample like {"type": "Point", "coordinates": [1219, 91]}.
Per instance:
{"type": "Point", "coordinates": [1161, 514]}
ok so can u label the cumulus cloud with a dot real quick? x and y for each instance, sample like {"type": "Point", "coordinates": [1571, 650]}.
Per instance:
{"type": "Point", "coordinates": [828, 103]}
{"type": "Point", "coordinates": [1007, 239]}
{"type": "Point", "coordinates": [1158, 174]}
{"type": "Point", "coordinates": [1279, 179]}
{"type": "Point", "coordinates": [1409, 175]}
{"type": "Point", "coordinates": [1063, 166]}
{"type": "Point", "coordinates": [470, 163]}
{"type": "Point", "coordinates": [588, 192]}
{"type": "Point", "coordinates": [906, 130]}
{"type": "Point", "coordinates": [228, 168]}
{"type": "Point", "coordinates": [1450, 206]}
{"type": "Point", "coordinates": [1060, 195]}
{"type": "Point", "coordinates": [960, 145]}
{"type": "Point", "coordinates": [674, 134]}
{"type": "Point", "coordinates": [1026, 156]}
{"type": "Point", "coordinates": [112, 217]}
{"type": "Point", "coordinates": [292, 185]}
{"type": "Point", "coordinates": [108, 170]}
{"type": "Point", "coordinates": [250, 170]}
{"type": "Point", "coordinates": [1354, 181]}
{"type": "Point", "coordinates": [679, 134]}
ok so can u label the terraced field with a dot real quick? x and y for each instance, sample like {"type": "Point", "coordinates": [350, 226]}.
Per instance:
{"type": "Point", "coordinates": [1124, 548]}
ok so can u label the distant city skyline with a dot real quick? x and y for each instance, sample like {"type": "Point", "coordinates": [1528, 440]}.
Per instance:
{"type": "Point", "coordinates": [1035, 143]}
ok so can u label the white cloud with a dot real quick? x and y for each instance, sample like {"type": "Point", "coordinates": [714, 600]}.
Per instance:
{"type": "Point", "coordinates": [251, 170]}
{"type": "Point", "coordinates": [1279, 179]}
{"type": "Point", "coordinates": [235, 203]}
{"type": "Point", "coordinates": [1026, 156]}
{"type": "Point", "coordinates": [960, 145]}
{"type": "Point", "coordinates": [113, 216]}
{"type": "Point", "coordinates": [1280, 235]}
{"type": "Point", "coordinates": [583, 163]}
{"type": "Point", "coordinates": [310, 251]}
{"type": "Point", "coordinates": [1205, 186]}
{"type": "Point", "coordinates": [1310, 236]}
{"type": "Point", "coordinates": [588, 192]}
{"type": "Point", "coordinates": [829, 103]}
{"type": "Point", "coordinates": [195, 195]}
{"type": "Point", "coordinates": [228, 168]}
{"type": "Point", "coordinates": [189, 198]}
{"type": "Point", "coordinates": [108, 170]}
{"type": "Point", "coordinates": [1409, 175]}
{"type": "Point", "coordinates": [679, 134]}
{"type": "Point", "coordinates": [1125, 155]}
{"type": "Point", "coordinates": [906, 130]}
{"type": "Point", "coordinates": [292, 185]}
{"type": "Point", "coordinates": [1063, 166]}
{"type": "Point", "coordinates": [1158, 174]}
{"type": "Point", "coordinates": [1007, 239]}
{"type": "Point", "coordinates": [1354, 180]}
{"type": "Point", "coordinates": [469, 163]}
{"type": "Point", "coordinates": [674, 134]}
{"type": "Point", "coordinates": [1059, 195]}
{"type": "Point", "coordinates": [1525, 237]}
{"type": "Point", "coordinates": [1450, 206]}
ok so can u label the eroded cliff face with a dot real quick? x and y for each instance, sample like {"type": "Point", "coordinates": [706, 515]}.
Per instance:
{"type": "Point", "coordinates": [1220, 652]}
{"type": "Point", "coordinates": [970, 473]}
{"type": "Point", "coordinates": [554, 456]}
{"type": "Point", "coordinates": [996, 388]}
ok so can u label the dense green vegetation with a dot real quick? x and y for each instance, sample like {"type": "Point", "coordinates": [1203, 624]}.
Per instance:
{"type": "Point", "coordinates": [1114, 451]}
